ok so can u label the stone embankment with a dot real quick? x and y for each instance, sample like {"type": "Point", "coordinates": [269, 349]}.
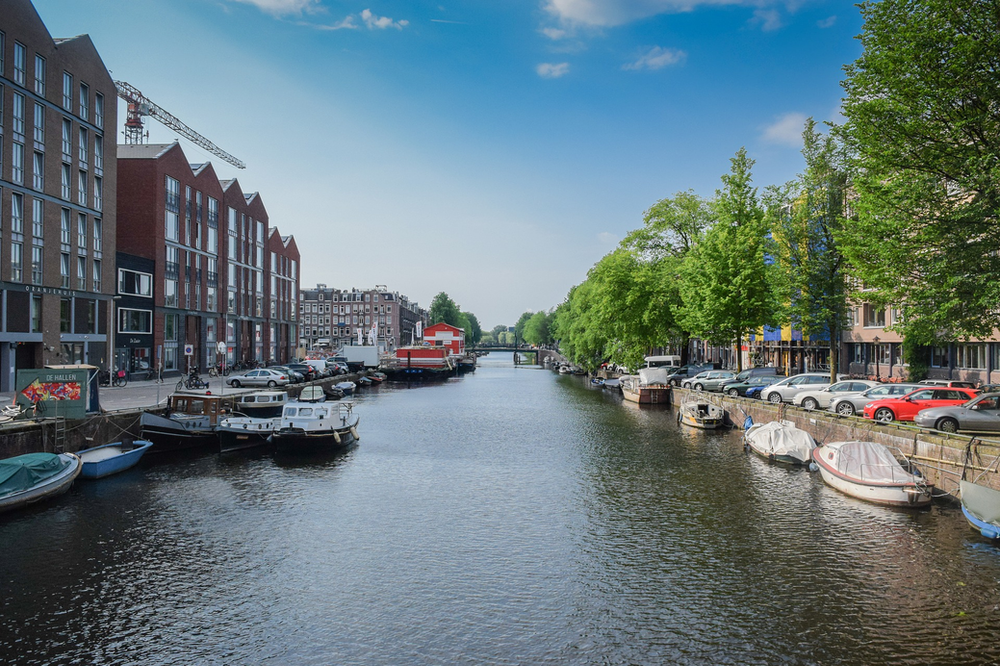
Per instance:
{"type": "Point", "coordinates": [940, 456]}
{"type": "Point", "coordinates": [59, 435]}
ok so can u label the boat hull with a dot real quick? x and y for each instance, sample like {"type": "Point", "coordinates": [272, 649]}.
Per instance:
{"type": "Point", "coordinates": [297, 440]}
{"type": "Point", "coordinates": [647, 395]}
{"type": "Point", "coordinates": [907, 495]}
{"type": "Point", "coordinates": [174, 435]}
{"type": "Point", "coordinates": [102, 461]}
{"type": "Point", "coordinates": [702, 423]}
{"type": "Point", "coordinates": [245, 434]}
{"type": "Point", "coordinates": [47, 489]}
{"type": "Point", "coordinates": [988, 530]}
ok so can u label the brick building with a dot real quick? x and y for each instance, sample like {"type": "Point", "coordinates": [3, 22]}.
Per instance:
{"type": "Point", "coordinates": [332, 318]}
{"type": "Point", "coordinates": [57, 196]}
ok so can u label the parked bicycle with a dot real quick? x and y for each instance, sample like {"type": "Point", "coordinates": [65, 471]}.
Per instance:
{"type": "Point", "coordinates": [193, 381]}
{"type": "Point", "coordinates": [117, 379]}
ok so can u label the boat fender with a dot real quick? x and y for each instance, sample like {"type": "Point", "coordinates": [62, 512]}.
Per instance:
{"type": "Point", "coordinates": [354, 431]}
{"type": "Point", "coordinates": [336, 436]}
{"type": "Point", "coordinates": [813, 467]}
{"type": "Point", "coordinates": [678, 417]}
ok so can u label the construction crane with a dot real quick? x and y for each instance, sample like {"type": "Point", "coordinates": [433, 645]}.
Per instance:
{"type": "Point", "coordinates": [139, 105]}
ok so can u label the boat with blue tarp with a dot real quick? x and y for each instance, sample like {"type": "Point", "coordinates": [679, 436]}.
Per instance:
{"type": "Point", "coordinates": [34, 477]}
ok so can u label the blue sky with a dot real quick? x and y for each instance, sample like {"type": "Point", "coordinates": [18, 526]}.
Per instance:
{"type": "Point", "coordinates": [492, 150]}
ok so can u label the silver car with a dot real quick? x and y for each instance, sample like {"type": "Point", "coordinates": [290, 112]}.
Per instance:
{"type": "Point", "coordinates": [821, 399]}
{"type": "Point", "coordinates": [710, 380]}
{"type": "Point", "coordinates": [981, 414]}
{"type": "Point", "coordinates": [262, 377]}
{"type": "Point", "coordinates": [786, 389]}
{"type": "Point", "coordinates": [849, 405]}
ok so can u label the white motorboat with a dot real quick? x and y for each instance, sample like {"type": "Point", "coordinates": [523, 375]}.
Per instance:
{"type": "Point", "coordinates": [701, 414]}
{"type": "Point", "coordinates": [869, 471]}
{"type": "Point", "coordinates": [780, 441]}
{"type": "Point", "coordinates": [309, 423]}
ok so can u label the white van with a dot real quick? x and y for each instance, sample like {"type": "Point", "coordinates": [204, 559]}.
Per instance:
{"type": "Point", "coordinates": [319, 366]}
{"type": "Point", "coordinates": [663, 361]}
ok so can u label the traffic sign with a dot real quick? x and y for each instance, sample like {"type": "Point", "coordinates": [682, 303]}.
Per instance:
{"type": "Point", "coordinates": [189, 350]}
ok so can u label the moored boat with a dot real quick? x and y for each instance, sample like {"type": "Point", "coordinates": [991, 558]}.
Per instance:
{"type": "Point", "coordinates": [346, 387]}
{"type": "Point", "coordinates": [262, 404]}
{"type": "Point", "coordinates": [780, 441]}
{"type": "Point", "coordinates": [311, 424]}
{"type": "Point", "coordinates": [191, 422]}
{"type": "Point", "coordinates": [245, 432]}
{"type": "Point", "coordinates": [701, 414]}
{"type": "Point", "coordinates": [649, 387]}
{"type": "Point", "coordinates": [869, 471]}
{"type": "Point", "coordinates": [34, 477]}
{"type": "Point", "coordinates": [981, 507]}
{"type": "Point", "coordinates": [107, 459]}
{"type": "Point", "coordinates": [418, 363]}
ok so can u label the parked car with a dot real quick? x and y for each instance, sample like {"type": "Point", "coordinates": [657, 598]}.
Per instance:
{"type": "Point", "coordinates": [823, 398]}
{"type": "Point", "coordinates": [677, 377]}
{"type": "Point", "coordinates": [748, 373]}
{"type": "Point", "coordinates": [307, 371]}
{"type": "Point", "coordinates": [950, 383]}
{"type": "Point", "coordinates": [981, 414]}
{"type": "Point", "coordinates": [906, 407]}
{"type": "Point", "coordinates": [293, 376]}
{"type": "Point", "coordinates": [261, 377]}
{"type": "Point", "coordinates": [854, 403]}
{"type": "Point", "coordinates": [756, 384]}
{"type": "Point", "coordinates": [785, 390]}
{"type": "Point", "coordinates": [709, 380]}
{"type": "Point", "coordinates": [336, 367]}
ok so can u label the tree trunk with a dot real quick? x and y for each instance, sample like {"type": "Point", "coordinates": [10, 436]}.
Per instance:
{"type": "Point", "coordinates": [834, 356]}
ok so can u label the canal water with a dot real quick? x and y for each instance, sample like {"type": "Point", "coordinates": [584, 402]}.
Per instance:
{"type": "Point", "coordinates": [511, 516]}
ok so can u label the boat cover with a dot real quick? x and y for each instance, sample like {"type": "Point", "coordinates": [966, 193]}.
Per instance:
{"type": "Point", "coordinates": [867, 461]}
{"type": "Point", "coordinates": [649, 376]}
{"type": "Point", "coordinates": [781, 438]}
{"type": "Point", "coordinates": [22, 472]}
{"type": "Point", "coordinates": [982, 502]}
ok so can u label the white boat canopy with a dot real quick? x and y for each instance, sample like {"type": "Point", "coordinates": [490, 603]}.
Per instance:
{"type": "Point", "coordinates": [781, 438]}
{"type": "Point", "coordinates": [866, 461]}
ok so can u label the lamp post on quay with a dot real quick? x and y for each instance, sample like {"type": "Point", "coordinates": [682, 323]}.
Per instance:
{"type": "Point", "coordinates": [878, 377]}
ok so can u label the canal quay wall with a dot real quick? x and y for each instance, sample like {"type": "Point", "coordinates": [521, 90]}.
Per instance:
{"type": "Point", "coordinates": [940, 456]}
{"type": "Point", "coordinates": [60, 435]}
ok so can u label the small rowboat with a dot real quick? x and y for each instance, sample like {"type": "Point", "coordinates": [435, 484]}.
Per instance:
{"type": "Point", "coordinates": [33, 477]}
{"type": "Point", "coordinates": [869, 471]}
{"type": "Point", "coordinates": [108, 459]}
{"type": "Point", "coordinates": [981, 507]}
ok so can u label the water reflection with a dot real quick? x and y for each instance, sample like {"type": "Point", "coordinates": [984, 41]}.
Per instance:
{"type": "Point", "coordinates": [508, 517]}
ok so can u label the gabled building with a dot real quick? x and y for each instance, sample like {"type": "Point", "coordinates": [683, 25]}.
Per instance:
{"type": "Point", "coordinates": [283, 297]}
{"type": "Point", "coordinates": [446, 335]}
{"type": "Point", "coordinates": [331, 318]}
{"type": "Point", "coordinates": [57, 196]}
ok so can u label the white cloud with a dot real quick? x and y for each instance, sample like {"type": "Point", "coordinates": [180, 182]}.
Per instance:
{"type": "Point", "coordinates": [786, 130]}
{"type": "Point", "coordinates": [550, 70]}
{"type": "Point", "coordinates": [827, 22]}
{"type": "Point", "coordinates": [381, 22]}
{"type": "Point", "coordinates": [347, 24]}
{"type": "Point", "coordinates": [553, 33]}
{"type": "Point", "coordinates": [657, 58]}
{"type": "Point", "coordinates": [616, 12]}
{"type": "Point", "coordinates": [769, 19]}
{"type": "Point", "coordinates": [284, 7]}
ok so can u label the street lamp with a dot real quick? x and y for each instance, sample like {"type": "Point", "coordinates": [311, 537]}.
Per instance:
{"type": "Point", "coordinates": [112, 357]}
{"type": "Point", "coordinates": [878, 377]}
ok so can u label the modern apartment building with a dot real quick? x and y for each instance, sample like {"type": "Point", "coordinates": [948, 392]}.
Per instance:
{"type": "Point", "coordinates": [332, 318]}
{"type": "Point", "coordinates": [57, 196]}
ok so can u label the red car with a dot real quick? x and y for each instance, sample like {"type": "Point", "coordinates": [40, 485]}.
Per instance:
{"type": "Point", "coordinates": [906, 407]}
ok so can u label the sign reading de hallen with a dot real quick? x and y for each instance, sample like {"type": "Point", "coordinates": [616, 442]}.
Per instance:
{"type": "Point", "coordinates": [49, 392]}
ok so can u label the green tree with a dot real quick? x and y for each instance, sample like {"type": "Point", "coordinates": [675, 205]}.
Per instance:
{"type": "Point", "coordinates": [519, 326]}
{"type": "Point", "coordinates": [498, 332]}
{"type": "Point", "coordinates": [474, 332]}
{"type": "Point", "coordinates": [536, 329]}
{"type": "Point", "coordinates": [922, 124]}
{"type": "Point", "coordinates": [580, 339]}
{"type": "Point", "coordinates": [726, 285]}
{"type": "Point", "coordinates": [806, 218]}
{"type": "Point", "coordinates": [443, 309]}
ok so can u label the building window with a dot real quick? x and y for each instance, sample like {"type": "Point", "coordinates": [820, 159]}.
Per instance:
{"type": "Point", "coordinates": [81, 232]}
{"type": "Point", "coordinates": [81, 273]}
{"type": "Point", "coordinates": [40, 75]}
{"type": "Point", "coordinates": [84, 146]}
{"type": "Point", "coordinates": [170, 327]}
{"type": "Point", "coordinates": [84, 101]}
{"type": "Point", "coordinates": [135, 321]}
{"type": "Point", "coordinates": [19, 57]}
{"type": "Point", "coordinates": [37, 218]}
{"type": "Point", "coordinates": [39, 130]}
{"type": "Point", "coordinates": [134, 283]}
{"type": "Point", "coordinates": [16, 262]}
{"type": "Point", "coordinates": [64, 233]}
{"type": "Point", "coordinates": [17, 163]}
{"type": "Point", "coordinates": [172, 226]}
{"type": "Point", "coordinates": [173, 194]}
{"type": "Point", "coordinates": [36, 314]}
{"type": "Point", "coordinates": [38, 171]}
{"type": "Point", "coordinates": [939, 357]}
{"type": "Point", "coordinates": [98, 236]}
{"type": "Point", "coordinates": [36, 264]}
{"type": "Point", "coordinates": [3, 47]}
{"type": "Point", "coordinates": [97, 274]}
{"type": "Point", "coordinates": [67, 187]}
{"type": "Point", "coordinates": [98, 194]}
{"type": "Point", "coordinates": [81, 193]}
{"type": "Point", "coordinates": [99, 109]}
{"type": "Point", "coordinates": [17, 116]}
{"type": "Point", "coordinates": [67, 100]}
{"type": "Point", "coordinates": [970, 356]}
{"type": "Point", "coordinates": [874, 316]}
{"type": "Point", "coordinates": [17, 213]}
{"type": "Point", "coordinates": [64, 270]}
{"type": "Point", "coordinates": [170, 293]}
{"type": "Point", "coordinates": [99, 153]}
{"type": "Point", "coordinates": [65, 315]}
{"type": "Point", "coordinates": [67, 140]}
